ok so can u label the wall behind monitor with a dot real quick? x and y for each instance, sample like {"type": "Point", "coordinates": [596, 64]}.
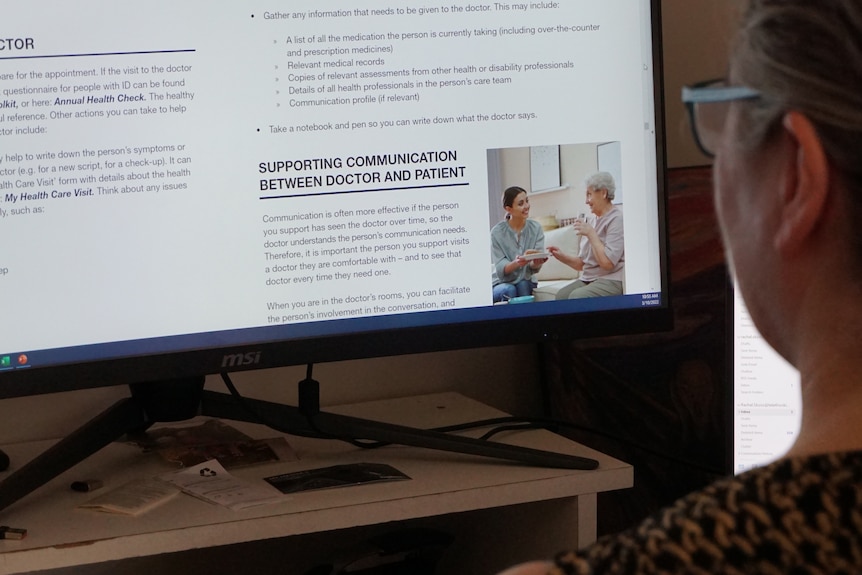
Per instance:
{"type": "Point", "coordinates": [694, 49]}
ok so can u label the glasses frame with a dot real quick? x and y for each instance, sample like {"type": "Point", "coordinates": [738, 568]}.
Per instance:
{"type": "Point", "coordinates": [707, 92]}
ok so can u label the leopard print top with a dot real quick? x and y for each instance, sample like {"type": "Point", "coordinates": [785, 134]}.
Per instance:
{"type": "Point", "coordinates": [795, 516]}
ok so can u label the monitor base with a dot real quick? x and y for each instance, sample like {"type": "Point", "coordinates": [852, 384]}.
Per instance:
{"type": "Point", "coordinates": [179, 400]}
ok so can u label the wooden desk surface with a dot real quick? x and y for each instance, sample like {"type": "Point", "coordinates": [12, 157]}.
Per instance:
{"type": "Point", "coordinates": [61, 535]}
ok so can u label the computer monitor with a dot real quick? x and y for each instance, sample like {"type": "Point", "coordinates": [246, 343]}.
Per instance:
{"type": "Point", "coordinates": [193, 187]}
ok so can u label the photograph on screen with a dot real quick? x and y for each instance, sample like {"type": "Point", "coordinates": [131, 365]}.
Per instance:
{"type": "Point", "coordinates": [545, 209]}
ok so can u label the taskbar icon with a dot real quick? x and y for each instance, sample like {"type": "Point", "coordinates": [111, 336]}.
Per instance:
{"type": "Point", "coordinates": [9, 362]}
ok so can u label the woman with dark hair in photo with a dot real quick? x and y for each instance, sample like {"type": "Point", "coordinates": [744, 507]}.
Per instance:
{"type": "Point", "coordinates": [512, 242]}
{"type": "Point", "coordinates": [786, 132]}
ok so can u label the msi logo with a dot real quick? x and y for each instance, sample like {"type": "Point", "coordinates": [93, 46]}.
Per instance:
{"type": "Point", "coordinates": [241, 359]}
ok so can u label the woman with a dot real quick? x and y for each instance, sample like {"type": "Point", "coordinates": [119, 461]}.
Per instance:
{"type": "Point", "coordinates": [512, 242]}
{"type": "Point", "coordinates": [601, 260]}
{"type": "Point", "coordinates": [787, 137]}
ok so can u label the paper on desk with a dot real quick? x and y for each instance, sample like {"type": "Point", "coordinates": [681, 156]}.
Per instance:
{"type": "Point", "coordinates": [133, 498]}
{"type": "Point", "coordinates": [211, 482]}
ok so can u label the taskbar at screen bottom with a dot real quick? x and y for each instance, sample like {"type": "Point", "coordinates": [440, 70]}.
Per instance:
{"type": "Point", "coordinates": [554, 313]}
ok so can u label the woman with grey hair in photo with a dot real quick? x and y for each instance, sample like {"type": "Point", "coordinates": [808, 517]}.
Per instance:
{"type": "Point", "coordinates": [601, 259]}
{"type": "Point", "coordinates": [785, 128]}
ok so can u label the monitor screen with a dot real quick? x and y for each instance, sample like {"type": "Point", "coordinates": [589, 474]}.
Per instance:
{"type": "Point", "coordinates": [767, 398]}
{"type": "Point", "coordinates": [193, 187]}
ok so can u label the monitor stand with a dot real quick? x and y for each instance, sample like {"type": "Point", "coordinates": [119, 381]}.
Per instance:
{"type": "Point", "coordinates": [178, 400]}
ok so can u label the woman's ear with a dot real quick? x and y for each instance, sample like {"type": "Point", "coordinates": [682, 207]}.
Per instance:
{"type": "Point", "coordinates": [805, 185]}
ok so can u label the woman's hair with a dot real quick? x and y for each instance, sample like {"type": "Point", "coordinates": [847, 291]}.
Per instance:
{"type": "Point", "coordinates": [510, 194]}
{"type": "Point", "coordinates": [602, 181]}
{"type": "Point", "coordinates": [806, 55]}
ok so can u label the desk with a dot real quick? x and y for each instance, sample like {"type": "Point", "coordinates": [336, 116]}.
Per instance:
{"type": "Point", "coordinates": [498, 511]}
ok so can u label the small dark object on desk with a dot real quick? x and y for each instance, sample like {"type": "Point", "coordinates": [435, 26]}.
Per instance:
{"type": "Point", "coordinates": [7, 532]}
{"type": "Point", "coordinates": [85, 486]}
{"type": "Point", "coordinates": [4, 461]}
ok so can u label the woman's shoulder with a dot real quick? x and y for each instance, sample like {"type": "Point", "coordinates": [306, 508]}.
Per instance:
{"type": "Point", "coordinates": [615, 213]}
{"type": "Point", "coordinates": [500, 227]}
{"type": "Point", "coordinates": [773, 486]}
{"type": "Point", "coordinates": [534, 225]}
{"type": "Point", "coordinates": [821, 488]}
{"type": "Point", "coordinates": [762, 520]}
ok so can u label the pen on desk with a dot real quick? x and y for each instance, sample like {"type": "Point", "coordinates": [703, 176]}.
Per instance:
{"type": "Point", "coordinates": [7, 532]}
